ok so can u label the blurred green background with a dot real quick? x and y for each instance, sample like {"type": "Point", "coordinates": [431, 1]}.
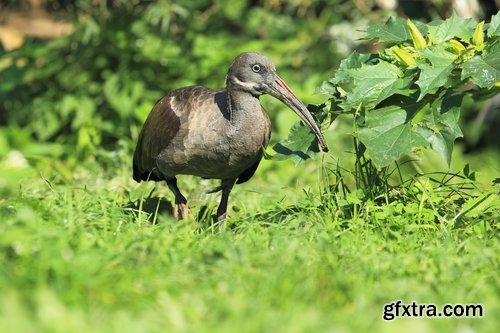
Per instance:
{"type": "Point", "coordinates": [77, 77]}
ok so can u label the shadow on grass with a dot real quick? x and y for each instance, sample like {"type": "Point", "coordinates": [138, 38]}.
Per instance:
{"type": "Point", "coordinates": [158, 208]}
{"type": "Point", "coordinates": [152, 205]}
{"type": "Point", "coordinates": [270, 216]}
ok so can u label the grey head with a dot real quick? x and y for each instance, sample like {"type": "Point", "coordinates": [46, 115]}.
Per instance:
{"type": "Point", "coordinates": [255, 73]}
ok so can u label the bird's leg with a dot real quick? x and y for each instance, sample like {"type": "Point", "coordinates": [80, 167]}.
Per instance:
{"type": "Point", "coordinates": [180, 200]}
{"type": "Point", "coordinates": [226, 186]}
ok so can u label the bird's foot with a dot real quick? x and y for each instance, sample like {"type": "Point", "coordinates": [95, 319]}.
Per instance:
{"type": "Point", "coordinates": [183, 209]}
{"type": "Point", "coordinates": [221, 217]}
{"type": "Point", "coordinates": [220, 221]}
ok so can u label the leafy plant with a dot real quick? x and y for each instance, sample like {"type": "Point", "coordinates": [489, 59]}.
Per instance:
{"type": "Point", "coordinates": [408, 95]}
{"type": "Point", "coordinates": [96, 86]}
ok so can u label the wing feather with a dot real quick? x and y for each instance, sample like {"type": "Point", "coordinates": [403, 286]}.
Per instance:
{"type": "Point", "coordinates": [161, 126]}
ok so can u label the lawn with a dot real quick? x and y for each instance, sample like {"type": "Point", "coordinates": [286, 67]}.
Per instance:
{"type": "Point", "coordinates": [328, 245]}
{"type": "Point", "coordinates": [85, 249]}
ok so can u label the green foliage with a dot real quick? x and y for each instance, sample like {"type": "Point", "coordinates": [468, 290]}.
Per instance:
{"type": "Point", "coordinates": [96, 86]}
{"type": "Point", "coordinates": [387, 133]}
{"type": "Point", "coordinates": [394, 30]}
{"type": "Point", "coordinates": [408, 96]}
{"type": "Point", "coordinates": [300, 145]}
{"type": "Point", "coordinates": [484, 69]}
{"type": "Point", "coordinates": [79, 254]}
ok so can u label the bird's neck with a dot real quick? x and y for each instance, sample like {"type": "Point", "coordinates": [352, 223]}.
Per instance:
{"type": "Point", "coordinates": [243, 107]}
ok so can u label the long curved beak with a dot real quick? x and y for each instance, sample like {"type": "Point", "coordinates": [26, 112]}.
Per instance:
{"type": "Point", "coordinates": [280, 90]}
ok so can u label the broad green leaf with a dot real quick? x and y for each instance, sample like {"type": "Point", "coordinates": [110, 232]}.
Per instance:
{"type": "Point", "coordinates": [410, 103]}
{"type": "Point", "coordinates": [494, 27]}
{"type": "Point", "coordinates": [446, 111]}
{"type": "Point", "coordinates": [432, 77]}
{"type": "Point", "coordinates": [328, 88]}
{"type": "Point", "coordinates": [373, 82]}
{"type": "Point", "coordinates": [355, 60]}
{"type": "Point", "coordinates": [438, 55]}
{"type": "Point", "coordinates": [388, 134]}
{"type": "Point", "coordinates": [440, 127]}
{"type": "Point", "coordinates": [454, 27]}
{"type": "Point", "coordinates": [393, 30]}
{"type": "Point", "coordinates": [400, 87]}
{"type": "Point", "coordinates": [484, 69]}
{"type": "Point", "coordinates": [301, 143]}
{"type": "Point", "coordinates": [436, 74]}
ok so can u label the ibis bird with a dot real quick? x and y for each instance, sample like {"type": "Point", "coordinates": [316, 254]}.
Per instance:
{"type": "Point", "coordinates": [214, 133]}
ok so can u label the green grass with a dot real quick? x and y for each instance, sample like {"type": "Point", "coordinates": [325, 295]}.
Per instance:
{"type": "Point", "coordinates": [77, 255]}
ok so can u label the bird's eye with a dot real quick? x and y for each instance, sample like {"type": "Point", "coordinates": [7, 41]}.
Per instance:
{"type": "Point", "coordinates": [256, 68]}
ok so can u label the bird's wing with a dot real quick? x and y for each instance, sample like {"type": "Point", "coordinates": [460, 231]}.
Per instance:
{"type": "Point", "coordinates": [161, 126]}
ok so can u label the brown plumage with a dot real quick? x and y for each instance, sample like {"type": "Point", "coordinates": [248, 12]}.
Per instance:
{"type": "Point", "coordinates": [219, 134]}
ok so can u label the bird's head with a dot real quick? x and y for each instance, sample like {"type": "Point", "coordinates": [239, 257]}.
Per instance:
{"type": "Point", "coordinates": [256, 74]}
